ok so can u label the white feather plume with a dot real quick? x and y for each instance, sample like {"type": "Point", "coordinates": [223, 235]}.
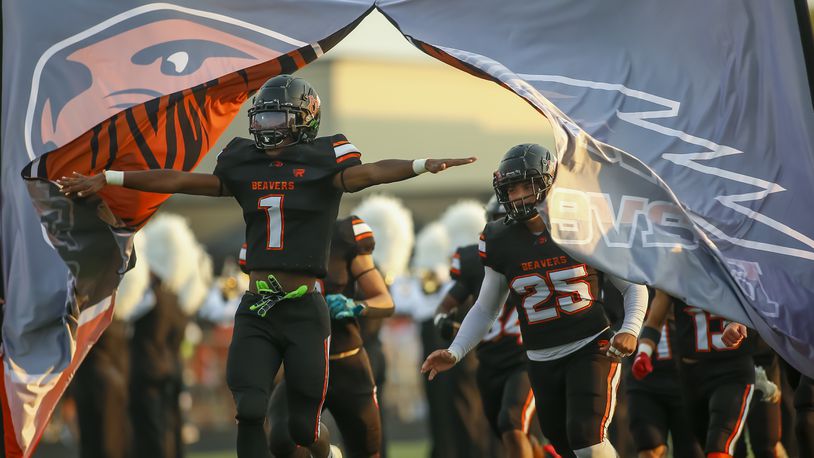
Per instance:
{"type": "Point", "coordinates": [169, 245]}
{"type": "Point", "coordinates": [432, 249]}
{"type": "Point", "coordinates": [197, 286]}
{"type": "Point", "coordinates": [134, 283]}
{"type": "Point", "coordinates": [464, 221]}
{"type": "Point", "coordinates": [392, 226]}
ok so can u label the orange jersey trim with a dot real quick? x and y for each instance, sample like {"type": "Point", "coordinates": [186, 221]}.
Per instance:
{"type": "Point", "coordinates": [341, 159]}
{"type": "Point", "coordinates": [610, 394]}
{"type": "Point", "coordinates": [736, 429]}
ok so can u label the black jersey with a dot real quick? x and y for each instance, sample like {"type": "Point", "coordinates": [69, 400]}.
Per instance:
{"type": "Point", "coordinates": [502, 346]}
{"type": "Point", "coordinates": [557, 298]}
{"type": "Point", "coordinates": [700, 332]}
{"type": "Point", "coordinates": [352, 237]}
{"type": "Point", "coordinates": [466, 270]}
{"type": "Point", "coordinates": [289, 202]}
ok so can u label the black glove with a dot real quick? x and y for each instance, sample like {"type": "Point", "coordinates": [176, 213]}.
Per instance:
{"type": "Point", "coordinates": [447, 327]}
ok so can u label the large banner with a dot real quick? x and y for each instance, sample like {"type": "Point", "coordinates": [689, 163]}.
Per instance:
{"type": "Point", "coordinates": [686, 134]}
{"type": "Point", "coordinates": [125, 85]}
{"type": "Point", "coordinates": [684, 131]}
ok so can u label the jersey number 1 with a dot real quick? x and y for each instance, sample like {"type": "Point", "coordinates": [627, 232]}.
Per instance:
{"type": "Point", "coordinates": [275, 223]}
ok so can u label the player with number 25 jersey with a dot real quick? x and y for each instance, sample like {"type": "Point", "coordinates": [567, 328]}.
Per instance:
{"type": "Point", "coordinates": [573, 357]}
{"type": "Point", "coordinates": [503, 382]}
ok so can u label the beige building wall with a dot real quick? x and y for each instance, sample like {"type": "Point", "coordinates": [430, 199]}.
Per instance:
{"type": "Point", "coordinates": [394, 108]}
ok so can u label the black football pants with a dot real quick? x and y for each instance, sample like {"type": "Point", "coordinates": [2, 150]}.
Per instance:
{"type": "Point", "coordinates": [576, 397]}
{"type": "Point", "coordinates": [719, 394]}
{"type": "Point", "coordinates": [653, 414]}
{"type": "Point", "coordinates": [351, 399]}
{"type": "Point", "coordinates": [507, 398]}
{"type": "Point", "coordinates": [295, 332]}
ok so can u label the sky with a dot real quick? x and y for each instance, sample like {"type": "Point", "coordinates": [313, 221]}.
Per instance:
{"type": "Point", "coordinates": [377, 37]}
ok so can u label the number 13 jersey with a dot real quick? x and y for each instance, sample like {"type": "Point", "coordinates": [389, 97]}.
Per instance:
{"type": "Point", "coordinates": [557, 297]}
{"type": "Point", "coordinates": [289, 201]}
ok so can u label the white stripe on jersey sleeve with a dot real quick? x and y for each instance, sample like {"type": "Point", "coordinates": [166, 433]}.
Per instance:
{"type": "Point", "coordinates": [345, 149]}
{"type": "Point", "coordinates": [361, 228]}
{"type": "Point", "coordinates": [482, 246]}
{"type": "Point", "coordinates": [456, 263]}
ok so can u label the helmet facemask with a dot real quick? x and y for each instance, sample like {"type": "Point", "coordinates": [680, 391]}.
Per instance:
{"type": "Point", "coordinates": [526, 163]}
{"type": "Point", "coordinates": [519, 209]}
{"type": "Point", "coordinates": [284, 112]}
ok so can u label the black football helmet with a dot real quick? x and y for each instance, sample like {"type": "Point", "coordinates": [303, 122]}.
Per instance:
{"type": "Point", "coordinates": [284, 107]}
{"type": "Point", "coordinates": [494, 211]}
{"type": "Point", "coordinates": [527, 162]}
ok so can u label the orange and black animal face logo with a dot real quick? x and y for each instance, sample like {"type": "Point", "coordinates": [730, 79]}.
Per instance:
{"type": "Point", "coordinates": [133, 58]}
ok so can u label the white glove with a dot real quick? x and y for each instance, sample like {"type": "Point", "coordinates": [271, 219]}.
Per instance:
{"type": "Point", "coordinates": [771, 393]}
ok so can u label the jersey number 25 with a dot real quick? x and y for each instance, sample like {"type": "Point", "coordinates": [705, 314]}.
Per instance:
{"type": "Point", "coordinates": [573, 293]}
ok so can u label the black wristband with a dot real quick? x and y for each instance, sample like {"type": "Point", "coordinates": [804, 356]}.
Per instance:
{"type": "Point", "coordinates": [651, 333]}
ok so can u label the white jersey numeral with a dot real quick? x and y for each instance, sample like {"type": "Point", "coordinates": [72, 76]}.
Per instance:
{"type": "Point", "coordinates": [510, 326]}
{"type": "Point", "coordinates": [705, 339]}
{"type": "Point", "coordinates": [275, 223]}
{"type": "Point", "coordinates": [573, 293]}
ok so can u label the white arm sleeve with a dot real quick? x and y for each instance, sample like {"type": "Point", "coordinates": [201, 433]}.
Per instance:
{"type": "Point", "coordinates": [635, 304]}
{"type": "Point", "coordinates": [493, 294]}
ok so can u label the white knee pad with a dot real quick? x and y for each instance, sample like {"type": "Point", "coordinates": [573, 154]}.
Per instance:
{"type": "Point", "coordinates": [603, 449]}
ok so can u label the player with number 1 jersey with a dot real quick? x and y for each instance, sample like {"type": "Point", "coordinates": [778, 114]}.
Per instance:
{"type": "Point", "coordinates": [289, 183]}
{"type": "Point", "coordinates": [573, 357]}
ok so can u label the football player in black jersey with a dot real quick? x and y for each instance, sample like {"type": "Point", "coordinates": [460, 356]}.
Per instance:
{"type": "Point", "coordinates": [717, 370]}
{"type": "Point", "coordinates": [764, 423]}
{"type": "Point", "coordinates": [656, 405]}
{"type": "Point", "coordinates": [573, 357]}
{"type": "Point", "coordinates": [351, 396]}
{"type": "Point", "coordinates": [502, 378]}
{"type": "Point", "coordinates": [288, 183]}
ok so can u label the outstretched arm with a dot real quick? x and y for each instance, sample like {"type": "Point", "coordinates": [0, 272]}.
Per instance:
{"type": "Point", "coordinates": [364, 176]}
{"type": "Point", "coordinates": [162, 181]}
{"type": "Point", "coordinates": [492, 296]}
